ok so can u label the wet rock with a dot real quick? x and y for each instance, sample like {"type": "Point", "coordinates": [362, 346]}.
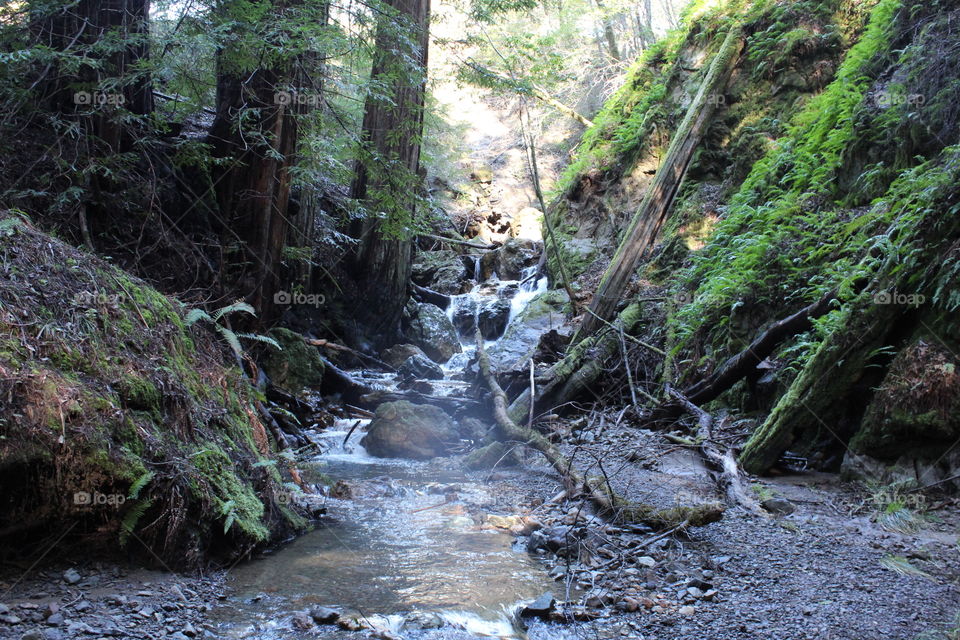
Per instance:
{"type": "Point", "coordinates": [406, 430]}
{"type": "Point", "coordinates": [510, 259]}
{"type": "Point", "coordinates": [495, 454]}
{"type": "Point", "coordinates": [297, 366]}
{"type": "Point", "coordinates": [418, 366]}
{"type": "Point", "coordinates": [542, 607]}
{"type": "Point", "coordinates": [429, 328]}
{"type": "Point", "coordinates": [396, 355]}
{"type": "Point", "coordinates": [324, 615]}
{"type": "Point", "coordinates": [301, 621]}
{"type": "Point", "coordinates": [341, 490]}
{"type": "Point", "coordinates": [441, 271]}
{"type": "Point", "coordinates": [493, 319]}
{"type": "Point", "coordinates": [473, 429]}
{"type": "Point", "coordinates": [465, 316]}
{"type": "Point", "coordinates": [422, 620]}
{"type": "Point", "coordinates": [544, 313]}
{"type": "Point", "coordinates": [71, 576]}
{"type": "Point", "coordinates": [780, 506]}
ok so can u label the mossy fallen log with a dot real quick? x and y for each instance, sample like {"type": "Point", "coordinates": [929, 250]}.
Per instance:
{"type": "Point", "coordinates": [606, 501]}
{"type": "Point", "coordinates": [579, 369]}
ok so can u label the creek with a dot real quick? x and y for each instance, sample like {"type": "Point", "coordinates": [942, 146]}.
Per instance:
{"type": "Point", "coordinates": [408, 552]}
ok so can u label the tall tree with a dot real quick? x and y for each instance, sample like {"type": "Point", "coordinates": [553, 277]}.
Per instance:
{"type": "Point", "coordinates": [256, 132]}
{"type": "Point", "coordinates": [388, 178]}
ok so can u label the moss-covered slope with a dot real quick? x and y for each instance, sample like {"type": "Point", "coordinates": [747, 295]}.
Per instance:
{"type": "Point", "coordinates": [829, 168]}
{"type": "Point", "coordinates": [119, 423]}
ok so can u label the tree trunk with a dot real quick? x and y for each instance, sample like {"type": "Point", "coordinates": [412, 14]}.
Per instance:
{"type": "Point", "coordinates": [659, 197]}
{"type": "Point", "coordinates": [256, 130]}
{"type": "Point", "coordinates": [387, 178]}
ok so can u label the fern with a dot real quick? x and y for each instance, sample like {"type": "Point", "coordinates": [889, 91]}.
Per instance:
{"type": "Point", "coordinates": [130, 520]}
{"type": "Point", "coordinates": [140, 483]}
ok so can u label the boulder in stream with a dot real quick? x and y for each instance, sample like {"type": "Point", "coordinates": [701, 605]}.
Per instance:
{"type": "Point", "coordinates": [405, 430]}
{"type": "Point", "coordinates": [429, 328]}
{"type": "Point", "coordinates": [441, 271]}
{"type": "Point", "coordinates": [545, 312]}
{"type": "Point", "coordinates": [510, 259]}
{"type": "Point", "coordinates": [493, 319]}
{"type": "Point", "coordinates": [420, 367]}
{"type": "Point", "coordinates": [396, 355]}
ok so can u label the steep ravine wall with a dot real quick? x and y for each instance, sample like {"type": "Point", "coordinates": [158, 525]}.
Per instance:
{"type": "Point", "coordinates": [827, 168]}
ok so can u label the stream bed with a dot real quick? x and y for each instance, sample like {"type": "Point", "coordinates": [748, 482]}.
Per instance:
{"type": "Point", "coordinates": [409, 542]}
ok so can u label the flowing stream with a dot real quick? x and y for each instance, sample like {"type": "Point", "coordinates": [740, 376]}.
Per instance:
{"type": "Point", "coordinates": [407, 552]}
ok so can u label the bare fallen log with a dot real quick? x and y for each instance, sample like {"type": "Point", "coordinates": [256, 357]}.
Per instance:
{"type": "Point", "coordinates": [429, 295]}
{"type": "Point", "coordinates": [727, 473]}
{"type": "Point", "coordinates": [597, 490]}
{"type": "Point", "coordinates": [745, 362]}
{"type": "Point", "coordinates": [463, 243]}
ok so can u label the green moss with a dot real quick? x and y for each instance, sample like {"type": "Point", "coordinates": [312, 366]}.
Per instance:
{"type": "Point", "coordinates": [235, 500]}
{"type": "Point", "coordinates": [138, 393]}
{"type": "Point", "coordinates": [296, 366]}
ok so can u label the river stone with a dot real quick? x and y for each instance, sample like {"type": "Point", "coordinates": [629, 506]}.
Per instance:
{"type": "Point", "coordinates": [429, 328]}
{"type": "Point", "coordinates": [420, 367]}
{"type": "Point", "coordinates": [493, 319]}
{"type": "Point", "coordinates": [296, 366]}
{"type": "Point", "coordinates": [540, 608]}
{"type": "Point", "coordinates": [510, 259]}
{"type": "Point", "coordinates": [400, 353]}
{"type": "Point", "coordinates": [324, 615]}
{"type": "Point", "coordinates": [405, 430]}
{"type": "Point", "coordinates": [441, 271]}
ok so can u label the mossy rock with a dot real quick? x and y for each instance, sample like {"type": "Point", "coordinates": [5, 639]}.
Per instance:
{"type": "Point", "coordinates": [405, 430]}
{"type": "Point", "coordinates": [495, 454]}
{"type": "Point", "coordinates": [297, 366]}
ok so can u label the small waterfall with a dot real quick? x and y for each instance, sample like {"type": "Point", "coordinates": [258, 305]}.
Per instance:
{"type": "Point", "coordinates": [530, 287]}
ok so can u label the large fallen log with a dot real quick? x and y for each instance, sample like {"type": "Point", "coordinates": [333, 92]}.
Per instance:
{"type": "Point", "coordinates": [745, 362]}
{"type": "Point", "coordinates": [429, 295]}
{"type": "Point", "coordinates": [659, 197]}
{"type": "Point", "coordinates": [599, 492]}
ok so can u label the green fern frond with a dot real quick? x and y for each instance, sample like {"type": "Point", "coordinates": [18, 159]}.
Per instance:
{"type": "Point", "coordinates": [130, 520]}
{"type": "Point", "coordinates": [195, 315]}
{"type": "Point", "coordinates": [233, 308]}
{"type": "Point", "coordinates": [261, 338]}
{"type": "Point", "coordinates": [138, 486]}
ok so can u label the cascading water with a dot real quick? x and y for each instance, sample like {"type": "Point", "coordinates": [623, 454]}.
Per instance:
{"type": "Point", "coordinates": [393, 550]}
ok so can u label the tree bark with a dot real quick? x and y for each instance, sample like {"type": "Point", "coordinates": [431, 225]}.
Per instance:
{"type": "Point", "coordinates": [659, 198]}
{"type": "Point", "coordinates": [387, 177]}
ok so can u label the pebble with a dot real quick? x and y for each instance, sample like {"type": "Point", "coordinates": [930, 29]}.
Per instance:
{"type": "Point", "coordinates": [687, 611]}
{"type": "Point", "coordinates": [71, 576]}
{"type": "Point", "coordinates": [646, 561]}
